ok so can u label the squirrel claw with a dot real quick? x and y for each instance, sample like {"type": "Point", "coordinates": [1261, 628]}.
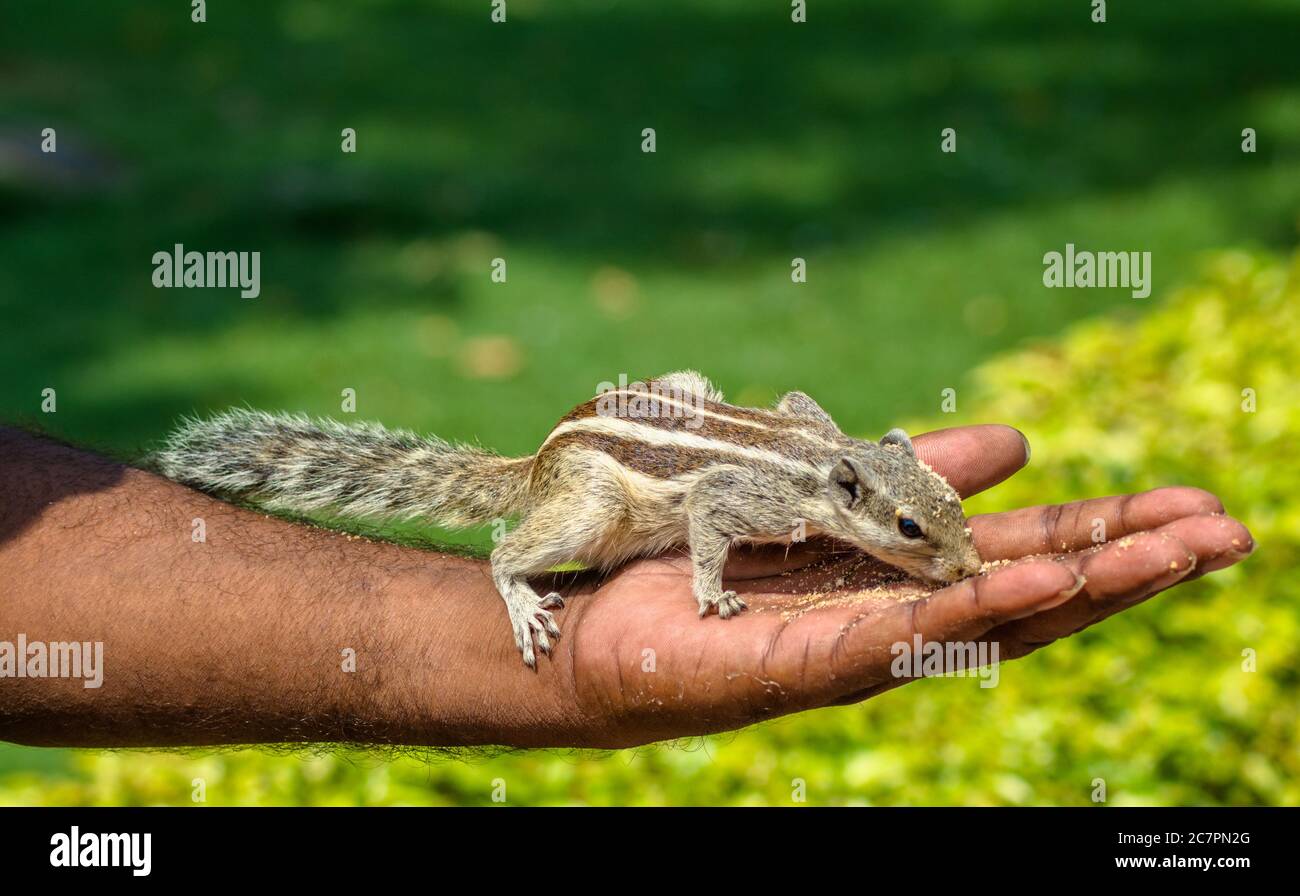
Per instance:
{"type": "Point", "coordinates": [727, 604]}
{"type": "Point", "coordinates": [533, 623]}
{"type": "Point", "coordinates": [730, 605]}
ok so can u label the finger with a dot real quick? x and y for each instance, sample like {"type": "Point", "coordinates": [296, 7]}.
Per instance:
{"type": "Point", "coordinates": [1218, 540]}
{"type": "Point", "coordinates": [1057, 528]}
{"type": "Point", "coordinates": [971, 607]}
{"type": "Point", "coordinates": [834, 653]}
{"type": "Point", "coordinates": [973, 458]}
{"type": "Point", "coordinates": [1114, 577]}
{"type": "Point", "coordinates": [1134, 568]}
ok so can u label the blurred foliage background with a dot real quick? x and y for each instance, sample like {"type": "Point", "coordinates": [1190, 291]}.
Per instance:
{"type": "Point", "coordinates": [775, 140]}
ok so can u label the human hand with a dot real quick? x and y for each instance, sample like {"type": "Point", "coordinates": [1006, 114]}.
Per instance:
{"type": "Point", "coordinates": [823, 618]}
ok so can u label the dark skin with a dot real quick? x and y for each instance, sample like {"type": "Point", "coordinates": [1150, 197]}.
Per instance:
{"type": "Point", "coordinates": [238, 638]}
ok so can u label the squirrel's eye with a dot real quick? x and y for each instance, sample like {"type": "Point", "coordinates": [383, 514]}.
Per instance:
{"type": "Point", "coordinates": [909, 528]}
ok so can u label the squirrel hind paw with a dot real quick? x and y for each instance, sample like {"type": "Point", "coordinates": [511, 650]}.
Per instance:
{"type": "Point", "coordinates": [533, 623]}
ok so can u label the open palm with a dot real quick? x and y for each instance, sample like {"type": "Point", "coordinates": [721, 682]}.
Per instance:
{"type": "Point", "coordinates": [823, 618]}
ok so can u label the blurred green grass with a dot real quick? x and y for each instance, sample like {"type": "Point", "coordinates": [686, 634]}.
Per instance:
{"type": "Point", "coordinates": [477, 140]}
{"type": "Point", "coordinates": [522, 141]}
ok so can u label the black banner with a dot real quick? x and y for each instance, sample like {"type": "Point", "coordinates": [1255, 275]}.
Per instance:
{"type": "Point", "coordinates": [334, 846]}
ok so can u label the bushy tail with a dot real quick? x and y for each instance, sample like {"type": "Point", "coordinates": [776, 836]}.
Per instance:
{"type": "Point", "coordinates": [298, 464]}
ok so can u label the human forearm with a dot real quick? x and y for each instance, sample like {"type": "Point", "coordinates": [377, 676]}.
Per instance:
{"type": "Point", "coordinates": [240, 637]}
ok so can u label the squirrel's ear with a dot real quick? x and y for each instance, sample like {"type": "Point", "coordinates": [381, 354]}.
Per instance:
{"type": "Point", "coordinates": [899, 438]}
{"type": "Point", "coordinates": [849, 482]}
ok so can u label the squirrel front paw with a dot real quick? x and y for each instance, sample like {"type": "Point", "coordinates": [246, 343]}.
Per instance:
{"type": "Point", "coordinates": [727, 603]}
